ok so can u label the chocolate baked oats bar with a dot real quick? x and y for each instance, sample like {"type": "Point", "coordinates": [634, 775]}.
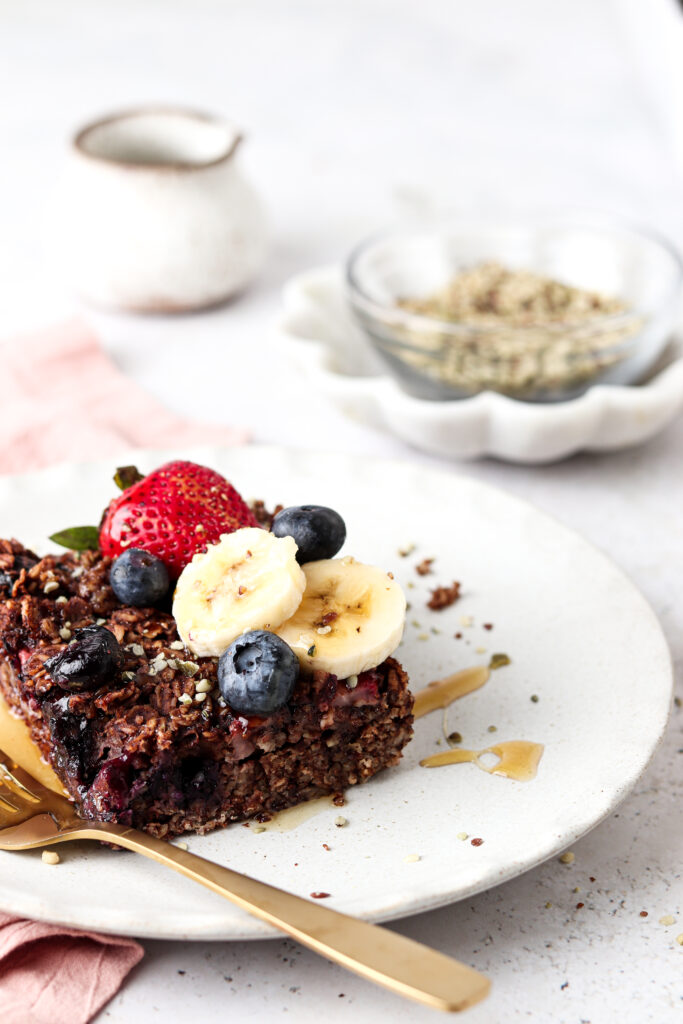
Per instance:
{"type": "Point", "coordinates": [156, 746]}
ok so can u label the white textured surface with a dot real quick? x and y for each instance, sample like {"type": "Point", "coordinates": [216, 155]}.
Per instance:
{"type": "Point", "coordinates": [352, 109]}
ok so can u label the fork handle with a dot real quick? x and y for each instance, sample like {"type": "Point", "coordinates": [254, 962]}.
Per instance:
{"type": "Point", "coordinates": [399, 964]}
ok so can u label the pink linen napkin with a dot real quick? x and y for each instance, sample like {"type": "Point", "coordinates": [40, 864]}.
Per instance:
{"type": "Point", "coordinates": [63, 399]}
{"type": "Point", "coordinates": [54, 975]}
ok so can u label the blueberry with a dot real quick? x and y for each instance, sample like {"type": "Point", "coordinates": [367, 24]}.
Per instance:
{"type": "Point", "coordinates": [139, 578]}
{"type": "Point", "coordinates": [91, 659]}
{"type": "Point", "coordinates": [258, 672]}
{"type": "Point", "coordinates": [319, 532]}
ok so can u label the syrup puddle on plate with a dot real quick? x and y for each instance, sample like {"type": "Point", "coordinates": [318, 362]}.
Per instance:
{"type": "Point", "coordinates": [15, 740]}
{"type": "Point", "coordinates": [443, 692]}
{"type": "Point", "coordinates": [292, 817]}
{"type": "Point", "coordinates": [516, 759]}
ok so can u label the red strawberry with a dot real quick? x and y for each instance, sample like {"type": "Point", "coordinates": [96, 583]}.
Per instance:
{"type": "Point", "coordinates": [174, 512]}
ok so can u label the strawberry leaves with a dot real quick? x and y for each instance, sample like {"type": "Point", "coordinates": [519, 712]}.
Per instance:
{"type": "Point", "coordinates": [126, 476]}
{"type": "Point", "coordinates": [78, 538]}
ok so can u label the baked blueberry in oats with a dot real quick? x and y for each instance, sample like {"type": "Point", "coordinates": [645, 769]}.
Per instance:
{"type": "Point", "coordinates": [184, 670]}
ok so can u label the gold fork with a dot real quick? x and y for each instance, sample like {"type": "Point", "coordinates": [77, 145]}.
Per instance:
{"type": "Point", "coordinates": [32, 816]}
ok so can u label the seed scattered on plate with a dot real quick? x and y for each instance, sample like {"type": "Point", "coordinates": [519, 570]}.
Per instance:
{"type": "Point", "coordinates": [406, 550]}
{"type": "Point", "coordinates": [679, 939]}
{"type": "Point", "coordinates": [492, 728]}
{"type": "Point", "coordinates": [49, 857]}
{"type": "Point", "coordinates": [258, 829]}
{"type": "Point", "coordinates": [567, 858]}
{"type": "Point", "coordinates": [499, 660]}
{"type": "Point", "coordinates": [667, 919]}
{"type": "Point", "coordinates": [340, 821]}
{"type": "Point", "coordinates": [412, 858]}
{"type": "Point", "coordinates": [462, 836]}
{"type": "Point", "coordinates": [466, 621]}
{"type": "Point", "coordinates": [181, 846]}
{"type": "Point", "coordinates": [476, 842]}
{"type": "Point", "coordinates": [643, 913]}
{"type": "Point", "coordinates": [534, 698]}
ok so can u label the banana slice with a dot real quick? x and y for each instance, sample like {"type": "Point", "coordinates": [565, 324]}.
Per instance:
{"type": "Point", "coordinates": [249, 580]}
{"type": "Point", "coordinates": [350, 619]}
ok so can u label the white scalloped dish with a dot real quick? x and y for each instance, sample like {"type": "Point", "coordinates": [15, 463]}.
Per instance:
{"type": "Point", "coordinates": [318, 331]}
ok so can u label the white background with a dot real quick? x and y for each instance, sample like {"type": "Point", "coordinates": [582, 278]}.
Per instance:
{"type": "Point", "coordinates": [355, 112]}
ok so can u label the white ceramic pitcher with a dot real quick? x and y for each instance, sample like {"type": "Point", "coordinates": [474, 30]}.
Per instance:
{"type": "Point", "coordinates": [154, 214]}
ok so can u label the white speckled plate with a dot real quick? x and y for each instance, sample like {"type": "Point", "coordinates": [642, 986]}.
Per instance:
{"type": "Point", "coordinates": [578, 633]}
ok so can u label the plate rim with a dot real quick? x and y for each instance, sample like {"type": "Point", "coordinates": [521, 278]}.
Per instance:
{"type": "Point", "coordinates": [115, 924]}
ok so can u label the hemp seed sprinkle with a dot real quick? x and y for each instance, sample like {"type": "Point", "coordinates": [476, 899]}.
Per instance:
{"type": "Point", "coordinates": [567, 858]}
{"type": "Point", "coordinates": [529, 331]}
{"type": "Point", "coordinates": [412, 858]}
{"type": "Point", "coordinates": [340, 821]}
{"type": "Point", "coordinates": [50, 857]}
{"type": "Point", "coordinates": [50, 586]}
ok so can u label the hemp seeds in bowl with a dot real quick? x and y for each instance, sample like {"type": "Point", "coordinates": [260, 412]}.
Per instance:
{"type": "Point", "coordinates": [536, 312]}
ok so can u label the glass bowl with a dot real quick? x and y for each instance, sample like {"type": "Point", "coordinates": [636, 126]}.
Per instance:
{"type": "Point", "coordinates": [443, 358]}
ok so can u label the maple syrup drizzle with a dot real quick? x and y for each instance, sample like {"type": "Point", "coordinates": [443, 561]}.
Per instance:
{"type": "Point", "coordinates": [517, 759]}
{"type": "Point", "coordinates": [15, 740]}
{"type": "Point", "coordinates": [292, 817]}
{"type": "Point", "coordinates": [443, 692]}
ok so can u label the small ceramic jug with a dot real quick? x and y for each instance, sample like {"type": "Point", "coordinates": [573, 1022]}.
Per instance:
{"type": "Point", "coordinates": [154, 214]}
